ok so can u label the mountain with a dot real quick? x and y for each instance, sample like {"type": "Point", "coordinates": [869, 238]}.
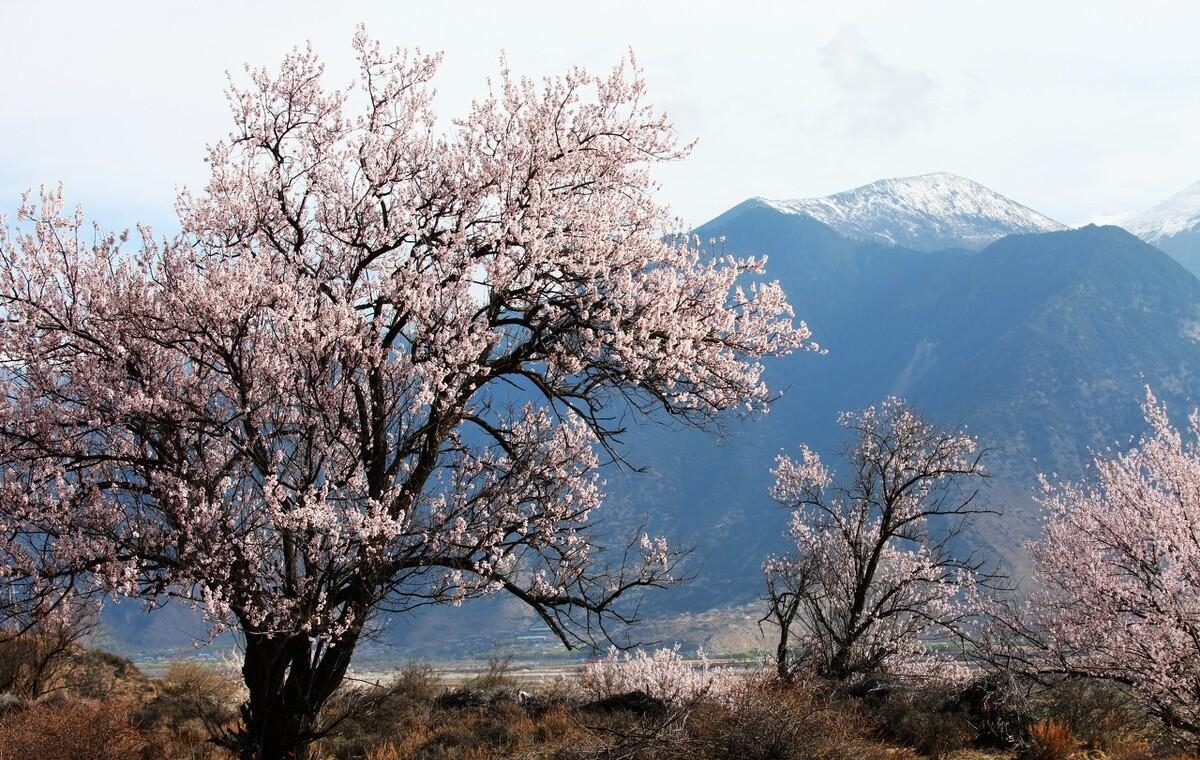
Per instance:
{"type": "Point", "coordinates": [1173, 226]}
{"type": "Point", "coordinates": [1041, 344]}
{"type": "Point", "coordinates": [929, 212]}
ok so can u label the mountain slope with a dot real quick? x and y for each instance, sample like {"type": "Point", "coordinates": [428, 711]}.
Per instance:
{"type": "Point", "coordinates": [1173, 226]}
{"type": "Point", "coordinates": [1066, 330]}
{"type": "Point", "coordinates": [927, 213]}
{"type": "Point", "coordinates": [1041, 344]}
{"type": "Point", "coordinates": [1179, 213]}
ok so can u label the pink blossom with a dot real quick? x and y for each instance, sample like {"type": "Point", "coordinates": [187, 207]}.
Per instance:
{"type": "Point", "coordinates": [1118, 571]}
{"type": "Point", "coordinates": [875, 580]}
{"type": "Point", "coordinates": [376, 368]}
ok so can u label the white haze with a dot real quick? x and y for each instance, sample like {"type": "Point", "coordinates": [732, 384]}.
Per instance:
{"type": "Point", "coordinates": [1074, 109]}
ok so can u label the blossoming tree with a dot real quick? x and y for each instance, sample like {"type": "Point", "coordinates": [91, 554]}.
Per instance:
{"type": "Point", "coordinates": [377, 369]}
{"type": "Point", "coordinates": [877, 577]}
{"type": "Point", "coordinates": [1118, 573]}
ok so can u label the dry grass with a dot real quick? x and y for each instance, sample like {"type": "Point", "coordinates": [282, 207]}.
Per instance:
{"type": "Point", "coordinates": [414, 717]}
{"type": "Point", "coordinates": [72, 730]}
{"type": "Point", "coordinates": [1051, 740]}
{"type": "Point", "coordinates": [193, 704]}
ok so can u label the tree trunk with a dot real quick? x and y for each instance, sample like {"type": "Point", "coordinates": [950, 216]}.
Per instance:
{"type": "Point", "coordinates": [839, 665]}
{"type": "Point", "coordinates": [289, 680]}
{"type": "Point", "coordinates": [784, 608]}
{"type": "Point", "coordinates": [783, 667]}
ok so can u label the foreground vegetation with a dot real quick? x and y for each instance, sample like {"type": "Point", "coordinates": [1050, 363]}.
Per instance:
{"type": "Point", "coordinates": [381, 366]}
{"type": "Point", "coordinates": [82, 704]}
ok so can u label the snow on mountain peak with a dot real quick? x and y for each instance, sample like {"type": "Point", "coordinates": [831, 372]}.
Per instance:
{"type": "Point", "coordinates": [927, 212]}
{"type": "Point", "coordinates": [1179, 213]}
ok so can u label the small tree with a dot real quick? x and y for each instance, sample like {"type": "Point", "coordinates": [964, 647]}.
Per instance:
{"type": "Point", "coordinates": [876, 581]}
{"type": "Point", "coordinates": [40, 650]}
{"type": "Point", "coordinates": [376, 371]}
{"type": "Point", "coordinates": [1118, 574]}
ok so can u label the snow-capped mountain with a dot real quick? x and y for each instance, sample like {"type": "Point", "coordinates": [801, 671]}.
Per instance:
{"type": "Point", "coordinates": [1173, 226]}
{"type": "Point", "coordinates": [928, 212]}
{"type": "Point", "coordinates": [1179, 213]}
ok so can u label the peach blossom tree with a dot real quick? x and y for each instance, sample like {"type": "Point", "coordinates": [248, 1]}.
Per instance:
{"type": "Point", "coordinates": [1117, 572]}
{"type": "Point", "coordinates": [377, 369]}
{"type": "Point", "coordinates": [877, 579]}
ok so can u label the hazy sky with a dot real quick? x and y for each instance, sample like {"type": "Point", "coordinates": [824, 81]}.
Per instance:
{"type": "Point", "coordinates": [1073, 108]}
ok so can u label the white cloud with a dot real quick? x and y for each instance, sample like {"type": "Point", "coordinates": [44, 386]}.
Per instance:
{"type": "Point", "coordinates": [875, 99]}
{"type": "Point", "coordinates": [1069, 114]}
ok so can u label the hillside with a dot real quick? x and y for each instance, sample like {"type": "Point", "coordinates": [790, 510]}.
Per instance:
{"type": "Point", "coordinates": [1040, 343]}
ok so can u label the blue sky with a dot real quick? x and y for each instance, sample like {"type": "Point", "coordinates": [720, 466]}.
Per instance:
{"type": "Point", "coordinates": [1073, 108]}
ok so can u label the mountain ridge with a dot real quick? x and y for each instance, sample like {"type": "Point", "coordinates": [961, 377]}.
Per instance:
{"type": "Point", "coordinates": [1173, 225]}
{"type": "Point", "coordinates": [1040, 344]}
{"type": "Point", "coordinates": [1178, 213]}
{"type": "Point", "coordinates": [925, 212]}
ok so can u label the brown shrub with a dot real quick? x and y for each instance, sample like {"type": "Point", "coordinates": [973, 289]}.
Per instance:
{"type": "Point", "coordinates": [1051, 740]}
{"type": "Point", "coordinates": [33, 664]}
{"type": "Point", "coordinates": [1132, 748]}
{"type": "Point", "coordinates": [1105, 718]}
{"type": "Point", "coordinates": [416, 682]}
{"type": "Point", "coordinates": [71, 730]}
{"type": "Point", "coordinates": [800, 722]}
{"type": "Point", "coordinates": [998, 707]}
{"type": "Point", "coordinates": [40, 655]}
{"type": "Point", "coordinates": [555, 724]}
{"type": "Point", "coordinates": [105, 676]}
{"type": "Point", "coordinates": [931, 720]}
{"type": "Point", "coordinates": [366, 718]}
{"type": "Point", "coordinates": [761, 725]}
{"type": "Point", "coordinates": [194, 705]}
{"type": "Point", "coordinates": [407, 747]}
{"type": "Point", "coordinates": [498, 675]}
{"type": "Point", "coordinates": [385, 751]}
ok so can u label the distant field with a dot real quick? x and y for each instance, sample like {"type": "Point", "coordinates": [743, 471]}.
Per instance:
{"type": "Point", "coordinates": [529, 673]}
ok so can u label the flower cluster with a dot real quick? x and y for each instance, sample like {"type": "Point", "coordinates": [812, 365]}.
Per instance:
{"type": "Point", "coordinates": [1118, 568]}
{"type": "Point", "coordinates": [870, 587]}
{"type": "Point", "coordinates": [663, 674]}
{"type": "Point", "coordinates": [376, 367]}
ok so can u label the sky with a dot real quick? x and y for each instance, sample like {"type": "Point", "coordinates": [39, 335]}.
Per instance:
{"type": "Point", "coordinates": [1077, 109]}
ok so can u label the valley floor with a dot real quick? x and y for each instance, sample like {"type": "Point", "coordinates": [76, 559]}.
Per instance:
{"type": "Point", "coordinates": [91, 705]}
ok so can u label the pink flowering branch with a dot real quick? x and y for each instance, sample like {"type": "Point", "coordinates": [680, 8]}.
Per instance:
{"type": "Point", "coordinates": [876, 578]}
{"type": "Point", "coordinates": [1117, 574]}
{"type": "Point", "coordinates": [375, 371]}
